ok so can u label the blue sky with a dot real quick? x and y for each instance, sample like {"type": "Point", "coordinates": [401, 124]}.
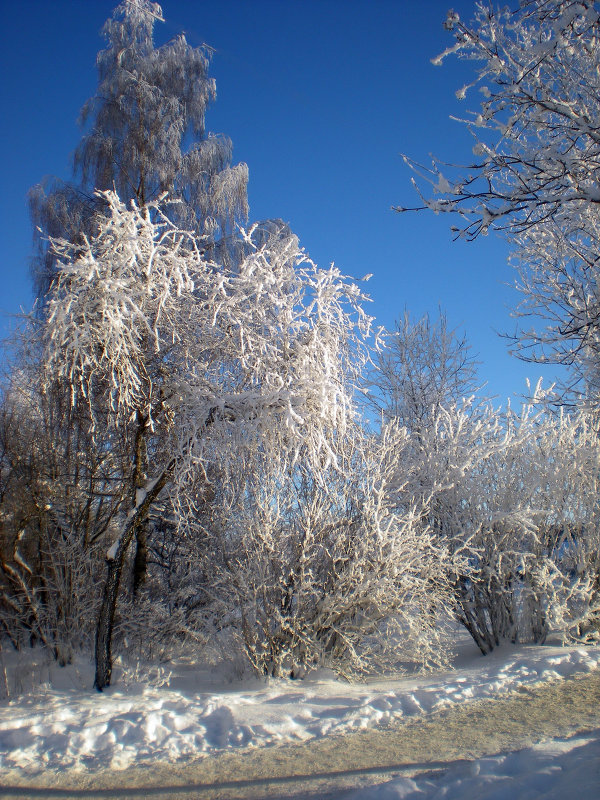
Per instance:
{"type": "Point", "coordinates": [320, 97]}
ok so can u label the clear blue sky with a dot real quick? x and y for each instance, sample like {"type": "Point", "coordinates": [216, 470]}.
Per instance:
{"type": "Point", "coordinates": [320, 97]}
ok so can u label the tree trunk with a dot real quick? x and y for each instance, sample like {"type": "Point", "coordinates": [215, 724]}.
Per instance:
{"type": "Point", "coordinates": [115, 560]}
{"type": "Point", "coordinates": [140, 477]}
{"type": "Point", "coordinates": [140, 562]}
{"type": "Point", "coordinates": [104, 627]}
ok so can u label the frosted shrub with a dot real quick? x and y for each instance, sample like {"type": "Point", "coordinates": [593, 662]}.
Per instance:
{"type": "Point", "coordinates": [517, 496]}
{"type": "Point", "coordinates": [318, 570]}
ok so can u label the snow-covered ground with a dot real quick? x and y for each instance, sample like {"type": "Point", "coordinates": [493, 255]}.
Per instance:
{"type": "Point", "coordinates": [558, 769]}
{"type": "Point", "coordinates": [55, 721]}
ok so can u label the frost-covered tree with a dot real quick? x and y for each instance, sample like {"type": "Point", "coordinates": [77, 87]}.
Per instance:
{"type": "Point", "coordinates": [423, 367]}
{"type": "Point", "coordinates": [144, 134]}
{"type": "Point", "coordinates": [179, 358]}
{"type": "Point", "coordinates": [534, 176]}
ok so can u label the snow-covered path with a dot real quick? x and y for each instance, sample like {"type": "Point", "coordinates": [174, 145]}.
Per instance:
{"type": "Point", "coordinates": [46, 732]}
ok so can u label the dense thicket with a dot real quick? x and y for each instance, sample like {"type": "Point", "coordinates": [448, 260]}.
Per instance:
{"type": "Point", "coordinates": [511, 495]}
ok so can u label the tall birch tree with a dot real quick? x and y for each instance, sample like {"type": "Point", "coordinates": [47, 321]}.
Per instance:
{"type": "Point", "coordinates": [144, 134]}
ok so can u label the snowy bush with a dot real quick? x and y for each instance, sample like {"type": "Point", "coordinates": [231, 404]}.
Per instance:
{"type": "Point", "coordinates": [540, 540]}
{"type": "Point", "coordinates": [516, 495]}
{"type": "Point", "coordinates": [318, 570]}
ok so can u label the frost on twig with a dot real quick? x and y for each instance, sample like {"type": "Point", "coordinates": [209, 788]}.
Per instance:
{"type": "Point", "coordinates": [535, 174]}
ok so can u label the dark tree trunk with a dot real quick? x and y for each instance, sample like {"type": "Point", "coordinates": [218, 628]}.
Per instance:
{"type": "Point", "coordinates": [140, 561]}
{"type": "Point", "coordinates": [140, 476]}
{"type": "Point", "coordinates": [116, 559]}
{"type": "Point", "coordinates": [104, 627]}
{"type": "Point", "coordinates": [114, 562]}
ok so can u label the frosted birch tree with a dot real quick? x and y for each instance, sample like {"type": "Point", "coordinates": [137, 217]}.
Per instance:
{"type": "Point", "coordinates": [144, 134]}
{"type": "Point", "coordinates": [534, 176]}
{"type": "Point", "coordinates": [186, 357]}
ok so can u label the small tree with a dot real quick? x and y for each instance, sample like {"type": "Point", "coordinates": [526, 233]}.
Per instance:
{"type": "Point", "coordinates": [535, 173]}
{"type": "Point", "coordinates": [180, 357]}
{"type": "Point", "coordinates": [423, 367]}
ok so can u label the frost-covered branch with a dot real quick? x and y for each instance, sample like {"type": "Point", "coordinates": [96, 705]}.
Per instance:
{"type": "Point", "coordinates": [536, 168]}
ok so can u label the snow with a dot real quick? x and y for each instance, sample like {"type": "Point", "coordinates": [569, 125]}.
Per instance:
{"type": "Point", "coordinates": [54, 721]}
{"type": "Point", "coordinates": [111, 553]}
{"type": "Point", "coordinates": [553, 770]}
